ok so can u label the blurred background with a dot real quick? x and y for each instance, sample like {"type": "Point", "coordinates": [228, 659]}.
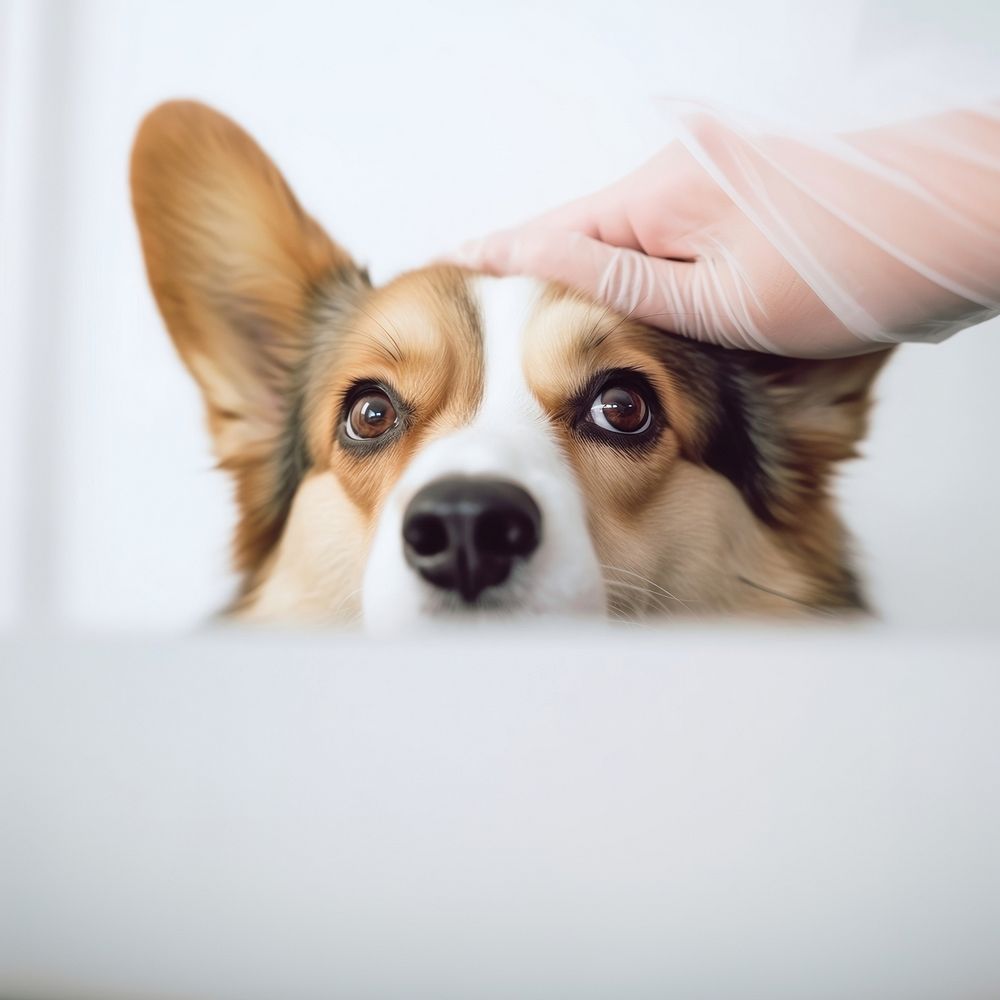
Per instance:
{"type": "Point", "coordinates": [407, 128]}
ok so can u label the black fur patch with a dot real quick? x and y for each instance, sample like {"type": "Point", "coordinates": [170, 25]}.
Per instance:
{"type": "Point", "coordinates": [328, 302]}
{"type": "Point", "coordinates": [722, 384]}
{"type": "Point", "coordinates": [742, 423]}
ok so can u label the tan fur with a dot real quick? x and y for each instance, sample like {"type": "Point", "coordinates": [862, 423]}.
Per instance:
{"type": "Point", "coordinates": [233, 262]}
{"type": "Point", "coordinates": [680, 538]}
{"type": "Point", "coordinates": [822, 408]}
{"type": "Point", "coordinates": [314, 574]}
{"type": "Point", "coordinates": [418, 335]}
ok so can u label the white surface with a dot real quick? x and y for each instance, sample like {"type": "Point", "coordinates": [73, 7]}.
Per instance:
{"type": "Point", "coordinates": [642, 814]}
{"type": "Point", "coordinates": [406, 129]}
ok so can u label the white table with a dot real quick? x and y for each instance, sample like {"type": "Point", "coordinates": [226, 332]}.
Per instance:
{"type": "Point", "coordinates": [580, 812]}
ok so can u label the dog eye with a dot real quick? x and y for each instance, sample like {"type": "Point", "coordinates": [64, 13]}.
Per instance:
{"type": "Point", "coordinates": [370, 416]}
{"type": "Point", "coordinates": [620, 409]}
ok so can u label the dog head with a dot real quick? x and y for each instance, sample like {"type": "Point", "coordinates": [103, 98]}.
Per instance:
{"type": "Point", "coordinates": [455, 444]}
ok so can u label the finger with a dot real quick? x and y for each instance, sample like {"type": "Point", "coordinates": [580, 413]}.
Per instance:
{"type": "Point", "coordinates": [602, 216]}
{"type": "Point", "coordinates": [657, 209]}
{"type": "Point", "coordinates": [648, 289]}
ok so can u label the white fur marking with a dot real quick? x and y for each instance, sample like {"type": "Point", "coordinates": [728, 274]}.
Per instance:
{"type": "Point", "coordinates": [509, 438]}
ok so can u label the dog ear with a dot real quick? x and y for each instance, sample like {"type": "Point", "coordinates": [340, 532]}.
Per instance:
{"type": "Point", "coordinates": [796, 419]}
{"type": "Point", "coordinates": [235, 264]}
{"type": "Point", "coordinates": [822, 405]}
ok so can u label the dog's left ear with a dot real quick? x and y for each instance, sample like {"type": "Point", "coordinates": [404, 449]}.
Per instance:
{"type": "Point", "coordinates": [822, 405]}
{"type": "Point", "coordinates": [800, 417]}
{"type": "Point", "coordinates": [235, 265]}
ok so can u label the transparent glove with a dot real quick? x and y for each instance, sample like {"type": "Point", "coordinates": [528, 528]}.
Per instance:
{"type": "Point", "coordinates": [807, 247]}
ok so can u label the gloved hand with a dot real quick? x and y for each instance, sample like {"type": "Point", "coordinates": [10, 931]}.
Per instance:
{"type": "Point", "coordinates": [822, 248]}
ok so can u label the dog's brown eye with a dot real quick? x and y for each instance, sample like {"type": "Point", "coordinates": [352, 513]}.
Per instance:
{"type": "Point", "coordinates": [620, 409]}
{"type": "Point", "coordinates": [370, 416]}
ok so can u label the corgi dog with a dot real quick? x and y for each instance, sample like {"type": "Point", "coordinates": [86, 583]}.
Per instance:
{"type": "Point", "coordinates": [457, 445]}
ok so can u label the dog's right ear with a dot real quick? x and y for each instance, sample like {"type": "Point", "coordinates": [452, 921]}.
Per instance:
{"type": "Point", "coordinates": [233, 262]}
{"type": "Point", "coordinates": [235, 265]}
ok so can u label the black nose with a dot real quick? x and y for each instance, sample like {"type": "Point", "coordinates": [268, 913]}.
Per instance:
{"type": "Point", "coordinates": [464, 534]}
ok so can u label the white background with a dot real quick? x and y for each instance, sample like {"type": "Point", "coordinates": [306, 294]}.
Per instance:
{"type": "Point", "coordinates": [406, 128]}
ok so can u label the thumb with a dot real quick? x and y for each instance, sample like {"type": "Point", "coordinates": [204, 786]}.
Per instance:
{"type": "Point", "coordinates": [648, 289]}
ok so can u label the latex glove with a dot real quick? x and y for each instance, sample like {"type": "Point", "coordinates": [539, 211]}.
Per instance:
{"type": "Point", "coordinates": [831, 246]}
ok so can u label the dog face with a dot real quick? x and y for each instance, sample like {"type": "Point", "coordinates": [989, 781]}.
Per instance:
{"type": "Point", "coordinates": [452, 444]}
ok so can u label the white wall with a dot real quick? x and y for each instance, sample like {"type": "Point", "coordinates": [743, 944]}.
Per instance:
{"type": "Point", "coordinates": [405, 128]}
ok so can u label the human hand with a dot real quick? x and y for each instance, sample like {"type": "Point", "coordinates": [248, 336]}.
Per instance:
{"type": "Point", "coordinates": [811, 250]}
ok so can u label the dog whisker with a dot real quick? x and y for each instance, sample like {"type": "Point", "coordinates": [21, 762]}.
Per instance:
{"type": "Point", "coordinates": [787, 597]}
{"type": "Point", "coordinates": [626, 615]}
{"type": "Point", "coordinates": [645, 602]}
{"type": "Point", "coordinates": [356, 616]}
{"type": "Point", "coordinates": [652, 584]}
{"type": "Point", "coordinates": [595, 339]}
{"type": "Point", "coordinates": [653, 601]}
{"type": "Point", "coordinates": [395, 349]}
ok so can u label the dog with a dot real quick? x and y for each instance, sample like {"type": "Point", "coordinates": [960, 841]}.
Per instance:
{"type": "Point", "coordinates": [452, 445]}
